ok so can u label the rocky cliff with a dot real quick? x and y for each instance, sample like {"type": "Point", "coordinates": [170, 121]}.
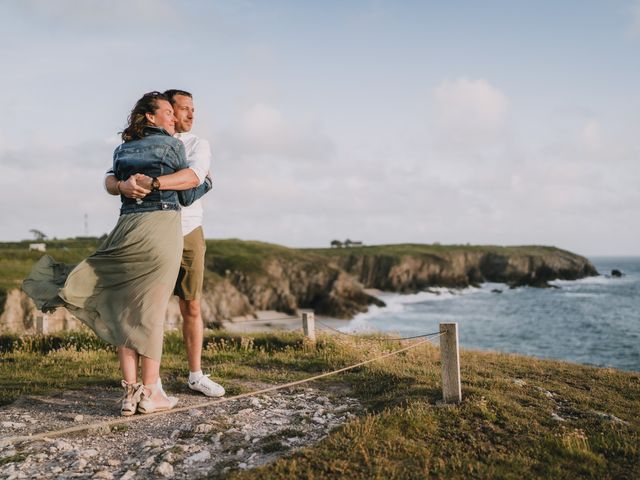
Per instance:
{"type": "Point", "coordinates": [412, 272]}
{"type": "Point", "coordinates": [243, 277]}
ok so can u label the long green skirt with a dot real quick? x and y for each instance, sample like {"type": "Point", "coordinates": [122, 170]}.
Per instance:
{"type": "Point", "coordinates": [122, 290]}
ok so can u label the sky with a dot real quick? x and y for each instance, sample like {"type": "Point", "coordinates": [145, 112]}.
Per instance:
{"type": "Point", "coordinates": [496, 122]}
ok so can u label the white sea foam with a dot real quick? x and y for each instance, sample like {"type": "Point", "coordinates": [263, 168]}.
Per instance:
{"type": "Point", "coordinates": [583, 295]}
{"type": "Point", "coordinates": [599, 280]}
{"type": "Point", "coordinates": [432, 294]}
{"type": "Point", "coordinates": [396, 304]}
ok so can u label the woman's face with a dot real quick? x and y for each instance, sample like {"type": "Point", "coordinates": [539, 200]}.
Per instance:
{"type": "Point", "coordinates": [163, 117]}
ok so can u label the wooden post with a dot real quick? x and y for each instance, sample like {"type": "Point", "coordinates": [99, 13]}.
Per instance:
{"type": "Point", "coordinates": [450, 358]}
{"type": "Point", "coordinates": [41, 324]}
{"type": "Point", "coordinates": [309, 325]}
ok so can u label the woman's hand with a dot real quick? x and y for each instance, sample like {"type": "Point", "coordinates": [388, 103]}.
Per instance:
{"type": "Point", "coordinates": [135, 186]}
{"type": "Point", "coordinates": [143, 183]}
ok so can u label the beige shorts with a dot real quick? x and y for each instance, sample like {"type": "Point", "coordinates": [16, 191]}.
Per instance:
{"type": "Point", "coordinates": [191, 275]}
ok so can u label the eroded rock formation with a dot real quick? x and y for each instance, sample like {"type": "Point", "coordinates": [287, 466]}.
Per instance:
{"type": "Point", "coordinates": [334, 283]}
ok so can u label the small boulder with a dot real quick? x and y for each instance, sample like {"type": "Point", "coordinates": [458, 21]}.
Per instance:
{"type": "Point", "coordinates": [198, 457]}
{"type": "Point", "coordinates": [165, 469]}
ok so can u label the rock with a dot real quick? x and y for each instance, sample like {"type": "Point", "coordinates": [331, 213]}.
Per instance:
{"type": "Point", "coordinates": [546, 393]}
{"type": "Point", "coordinates": [203, 428]}
{"type": "Point", "coordinates": [616, 273]}
{"type": "Point", "coordinates": [198, 457]}
{"type": "Point", "coordinates": [496, 290]}
{"type": "Point", "coordinates": [56, 470]}
{"type": "Point", "coordinates": [519, 382]}
{"type": "Point", "coordinates": [8, 453]}
{"type": "Point", "coordinates": [62, 445]}
{"type": "Point", "coordinates": [165, 469]}
{"type": "Point", "coordinates": [611, 418]}
{"type": "Point", "coordinates": [194, 412]}
{"type": "Point", "coordinates": [13, 425]}
{"type": "Point", "coordinates": [168, 457]}
{"type": "Point", "coordinates": [149, 461]}
{"type": "Point", "coordinates": [557, 417]}
{"type": "Point", "coordinates": [113, 462]}
{"type": "Point", "coordinates": [103, 474]}
{"type": "Point", "coordinates": [88, 453]}
{"type": "Point", "coordinates": [78, 418]}
{"type": "Point", "coordinates": [79, 464]}
{"type": "Point", "coordinates": [128, 475]}
{"type": "Point", "coordinates": [153, 443]}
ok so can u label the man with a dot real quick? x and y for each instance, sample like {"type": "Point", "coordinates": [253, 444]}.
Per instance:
{"type": "Point", "coordinates": [191, 277]}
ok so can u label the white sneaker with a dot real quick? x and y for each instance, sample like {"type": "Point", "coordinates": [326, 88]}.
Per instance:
{"type": "Point", "coordinates": [205, 385]}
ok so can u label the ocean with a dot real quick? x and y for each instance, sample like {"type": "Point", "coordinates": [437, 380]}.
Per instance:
{"type": "Point", "coordinates": [594, 321]}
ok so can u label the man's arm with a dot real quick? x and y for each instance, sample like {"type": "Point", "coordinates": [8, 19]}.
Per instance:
{"type": "Point", "coordinates": [187, 197]}
{"type": "Point", "coordinates": [181, 180]}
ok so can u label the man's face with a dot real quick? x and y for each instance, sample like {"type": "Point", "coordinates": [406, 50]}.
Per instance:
{"type": "Point", "coordinates": [183, 111]}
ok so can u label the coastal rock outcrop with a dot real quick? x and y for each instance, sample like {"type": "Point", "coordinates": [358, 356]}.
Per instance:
{"type": "Point", "coordinates": [412, 273]}
{"type": "Point", "coordinates": [287, 285]}
{"type": "Point", "coordinates": [244, 277]}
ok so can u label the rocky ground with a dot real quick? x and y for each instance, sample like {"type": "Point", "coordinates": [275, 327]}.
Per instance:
{"type": "Point", "coordinates": [240, 434]}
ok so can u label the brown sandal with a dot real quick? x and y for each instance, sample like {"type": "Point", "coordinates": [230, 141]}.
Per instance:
{"type": "Point", "coordinates": [130, 399]}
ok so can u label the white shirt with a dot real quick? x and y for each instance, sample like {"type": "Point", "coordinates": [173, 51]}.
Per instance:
{"type": "Point", "coordinates": [199, 160]}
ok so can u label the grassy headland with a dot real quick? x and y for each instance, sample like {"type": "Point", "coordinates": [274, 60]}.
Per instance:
{"type": "Point", "coordinates": [520, 417]}
{"type": "Point", "coordinates": [245, 276]}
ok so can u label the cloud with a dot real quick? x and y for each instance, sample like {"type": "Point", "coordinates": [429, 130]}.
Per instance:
{"type": "Point", "coordinates": [591, 135]}
{"type": "Point", "coordinates": [264, 130]}
{"type": "Point", "coordinates": [472, 112]}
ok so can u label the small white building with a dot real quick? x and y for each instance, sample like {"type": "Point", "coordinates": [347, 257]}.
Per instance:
{"type": "Point", "coordinates": [39, 247]}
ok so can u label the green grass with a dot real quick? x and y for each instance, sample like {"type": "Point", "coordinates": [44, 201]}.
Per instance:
{"type": "Point", "coordinates": [502, 429]}
{"type": "Point", "coordinates": [417, 249]}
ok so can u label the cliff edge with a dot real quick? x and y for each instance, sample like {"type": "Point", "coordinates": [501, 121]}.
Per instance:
{"type": "Point", "coordinates": [242, 277]}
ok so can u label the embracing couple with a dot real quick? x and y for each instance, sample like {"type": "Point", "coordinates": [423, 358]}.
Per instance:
{"type": "Point", "coordinates": [157, 248]}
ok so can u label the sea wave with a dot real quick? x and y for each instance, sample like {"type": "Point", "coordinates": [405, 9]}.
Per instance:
{"type": "Point", "coordinates": [599, 280]}
{"type": "Point", "coordinates": [583, 295]}
{"type": "Point", "coordinates": [432, 294]}
{"type": "Point", "coordinates": [397, 303]}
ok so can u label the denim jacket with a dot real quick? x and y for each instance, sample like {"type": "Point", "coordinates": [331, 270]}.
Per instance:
{"type": "Point", "coordinates": [154, 155]}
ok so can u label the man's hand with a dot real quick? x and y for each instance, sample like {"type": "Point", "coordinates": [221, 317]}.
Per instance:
{"type": "Point", "coordinates": [136, 186]}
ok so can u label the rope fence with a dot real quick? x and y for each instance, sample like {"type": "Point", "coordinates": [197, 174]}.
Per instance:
{"type": "Point", "coordinates": [451, 386]}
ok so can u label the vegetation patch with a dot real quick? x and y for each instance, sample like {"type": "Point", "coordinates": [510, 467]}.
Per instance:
{"type": "Point", "coordinates": [520, 417]}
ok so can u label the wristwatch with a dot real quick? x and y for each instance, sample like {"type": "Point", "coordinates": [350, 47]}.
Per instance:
{"type": "Point", "coordinates": [155, 184]}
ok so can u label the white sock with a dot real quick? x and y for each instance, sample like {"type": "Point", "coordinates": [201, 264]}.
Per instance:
{"type": "Point", "coordinates": [195, 376]}
{"type": "Point", "coordinates": [159, 387]}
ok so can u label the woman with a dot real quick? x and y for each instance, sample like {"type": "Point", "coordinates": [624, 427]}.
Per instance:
{"type": "Point", "coordinates": [122, 290]}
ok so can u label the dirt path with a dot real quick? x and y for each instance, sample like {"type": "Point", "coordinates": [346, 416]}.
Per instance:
{"type": "Point", "coordinates": [239, 434]}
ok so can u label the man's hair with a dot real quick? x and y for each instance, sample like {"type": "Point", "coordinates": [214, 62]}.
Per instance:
{"type": "Point", "coordinates": [173, 92]}
{"type": "Point", "coordinates": [138, 119]}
